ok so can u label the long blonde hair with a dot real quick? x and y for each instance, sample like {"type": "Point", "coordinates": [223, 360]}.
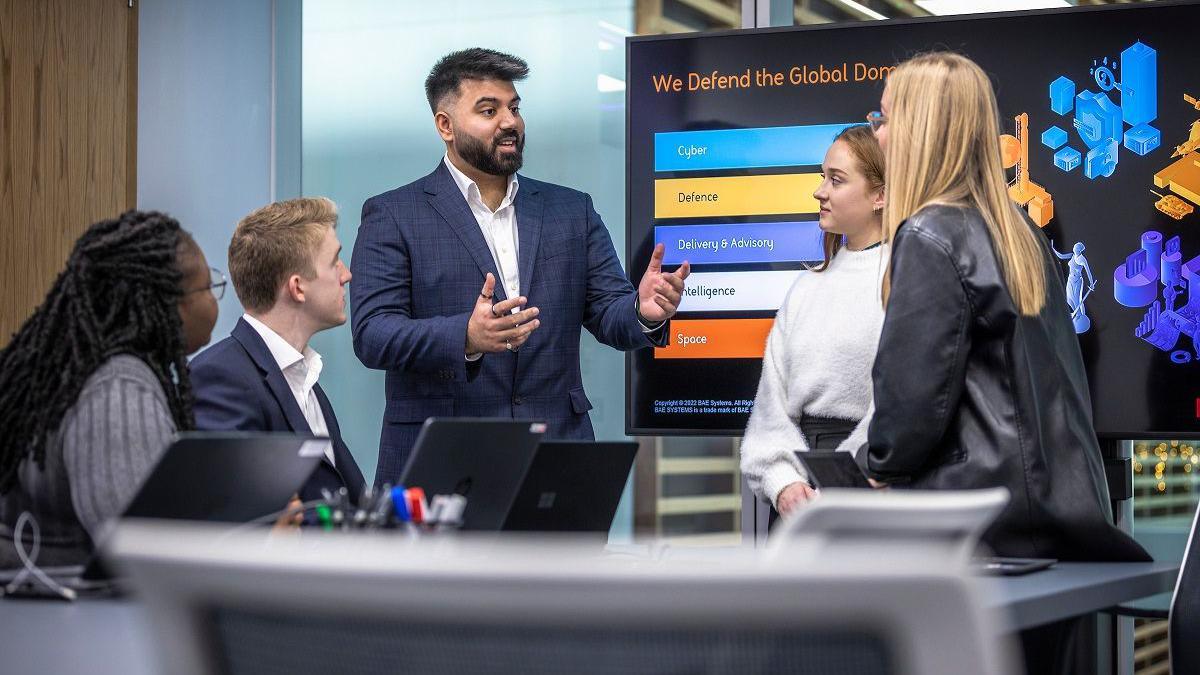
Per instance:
{"type": "Point", "coordinates": [943, 148]}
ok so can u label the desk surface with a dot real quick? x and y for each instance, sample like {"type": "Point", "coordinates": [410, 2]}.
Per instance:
{"type": "Point", "coordinates": [1074, 589]}
{"type": "Point", "coordinates": [89, 636]}
{"type": "Point", "coordinates": [110, 636]}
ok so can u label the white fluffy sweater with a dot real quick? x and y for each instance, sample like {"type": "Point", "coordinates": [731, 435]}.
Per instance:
{"type": "Point", "coordinates": [817, 364]}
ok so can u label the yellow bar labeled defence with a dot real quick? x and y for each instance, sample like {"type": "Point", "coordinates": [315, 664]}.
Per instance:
{"type": "Point", "coordinates": [735, 195]}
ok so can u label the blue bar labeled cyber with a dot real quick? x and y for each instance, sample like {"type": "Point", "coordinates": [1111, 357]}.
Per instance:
{"type": "Point", "coordinates": [743, 148]}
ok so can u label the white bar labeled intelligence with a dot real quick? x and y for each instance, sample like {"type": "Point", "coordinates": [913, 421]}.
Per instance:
{"type": "Point", "coordinates": [736, 291]}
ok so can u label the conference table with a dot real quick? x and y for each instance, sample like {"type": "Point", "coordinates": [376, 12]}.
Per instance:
{"type": "Point", "coordinates": [105, 635]}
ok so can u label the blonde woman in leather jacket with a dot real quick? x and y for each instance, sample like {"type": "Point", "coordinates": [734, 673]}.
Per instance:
{"type": "Point", "coordinates": [978, 380]}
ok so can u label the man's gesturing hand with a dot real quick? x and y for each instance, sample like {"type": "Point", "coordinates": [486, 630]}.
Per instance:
{"type": "Point", "coordinates": [659, 292]}
{"type": "Point", "coordinates": [495, 328]}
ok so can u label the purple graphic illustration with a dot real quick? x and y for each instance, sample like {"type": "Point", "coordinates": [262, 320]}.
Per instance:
{"type": "Point", "coordinates": [1156, 276]}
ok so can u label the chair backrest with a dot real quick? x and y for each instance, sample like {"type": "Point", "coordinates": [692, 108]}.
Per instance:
{"type": "Point", "coordinates": [1184, 618]}
{"type": "Point", "coordinates": [368, 604]}
{"type": "Point", "coordinates": [942, 525]}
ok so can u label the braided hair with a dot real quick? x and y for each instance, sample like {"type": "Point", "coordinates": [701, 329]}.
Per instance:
{"type": "Point", "coordinates": [119, 294]}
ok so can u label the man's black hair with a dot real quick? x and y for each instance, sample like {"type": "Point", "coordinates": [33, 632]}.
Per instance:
{"type": "Point", "coordinates": [471, 64]}
{"type": "Point", "coordinates": [119, 294]}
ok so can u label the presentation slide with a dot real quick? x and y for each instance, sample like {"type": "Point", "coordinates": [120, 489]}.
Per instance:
{"type": "Point", "coordinates": [1101, 139]}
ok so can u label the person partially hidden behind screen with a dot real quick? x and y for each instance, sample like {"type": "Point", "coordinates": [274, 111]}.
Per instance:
{"type": "Point", "coordinates": [285, 261]}
{"type": "Point", "coordinates": [815, 390]}
{"type": "Point", "coordinates": [94, 385]}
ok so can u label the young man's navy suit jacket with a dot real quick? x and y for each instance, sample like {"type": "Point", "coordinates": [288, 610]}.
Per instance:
{"type": "Point", "coordinates": [238, 387]}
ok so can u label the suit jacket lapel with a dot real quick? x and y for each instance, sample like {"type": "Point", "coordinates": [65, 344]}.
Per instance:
{"type": "Point", "coordinates": [448, 201]}
{"type": "Point", "coordinates": [253, 343]}
{"type": "Point", "coordinates": [345, 465]}
{"type": "Point", "coordinates": [529, 230]}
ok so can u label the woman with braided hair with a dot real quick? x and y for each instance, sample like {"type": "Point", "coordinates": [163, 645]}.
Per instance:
{"type": "Point", "coordinates": [94, 385]}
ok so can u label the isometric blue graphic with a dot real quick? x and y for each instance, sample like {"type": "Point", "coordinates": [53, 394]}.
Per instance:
{"type": "Point", "coordinates": [1156, 275]}
{"type": "Point", "coordinates": [1142, 139]}
{"type": "Point", "coordinates": [1103, 73]}
{"type": "Point", "coordinates": [1170, 273]}
{"type": "Point", "coordinates": [1139, 84]}
{"type": "Point", "coordinates": [1097, 118]}
{"type": "Point", "coordinates": [1101, 160]}
{"type": "Point", "coordinates": [1076, 295]}
{"type": "Point", "coordinates": [1068, 158]}
{"type": "Point", "coordinates": [1062, 95]}
{"type": "Point", "coordinates": [1099, 121]}
{"type": "Point", "coordinates": [1135, 284]}
{"type": "Point", "coordinates": [1054, 138]}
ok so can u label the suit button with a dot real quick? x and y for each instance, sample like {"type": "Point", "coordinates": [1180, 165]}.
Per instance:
{"type": "Point", "coordinates": [517, 400]}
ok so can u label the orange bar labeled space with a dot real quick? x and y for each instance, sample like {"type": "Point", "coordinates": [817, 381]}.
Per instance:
{"type": "Point", "coordinates": [716, 339]}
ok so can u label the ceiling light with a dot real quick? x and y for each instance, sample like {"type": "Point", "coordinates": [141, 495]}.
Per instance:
{"type": "Point", "coordinates": [860, 8]}
{"type": "Point", "coordinates": [944, 7]}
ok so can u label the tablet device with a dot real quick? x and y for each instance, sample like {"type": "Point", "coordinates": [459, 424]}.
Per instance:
{"type": "Point", "coordinates": [231, 477]}
{"type": "Point", "coordinates": [827, 469]}
{"type": "Point", "coordinates": [572, 486]}
{"type": "Point", "coordinates": [482, 459]}
{"type": "Point", "coordinates": [228, 477]}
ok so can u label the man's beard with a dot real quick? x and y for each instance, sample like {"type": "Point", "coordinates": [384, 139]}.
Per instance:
{"type": "Point", "coordinates": [478, 154]}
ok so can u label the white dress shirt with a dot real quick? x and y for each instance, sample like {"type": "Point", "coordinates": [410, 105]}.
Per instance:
{"type": "Point", "coordinates": [301, 372]}
{"type": "Point", "coordinates": [499, 229]}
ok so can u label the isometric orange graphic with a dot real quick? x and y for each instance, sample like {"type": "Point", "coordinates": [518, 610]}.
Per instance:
{"type": "Point", "coordinates": [1191, 144]}
{"type": "Point", "coordinates": [1183, 175]}
{"type": "Point", "coordinates": [1022, 190]}
{"type": "Point", "coordinates": [1172, 206]}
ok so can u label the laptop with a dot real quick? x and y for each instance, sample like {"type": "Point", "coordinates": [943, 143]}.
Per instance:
{"type": "Point", "coordinates": [572, 486]}
{"type": "Point", "coordinates": [227, 476]}
{"type": "Point", "coordinates": [483, 459]}
{"type": "Point", "coordinates": [232, 477]}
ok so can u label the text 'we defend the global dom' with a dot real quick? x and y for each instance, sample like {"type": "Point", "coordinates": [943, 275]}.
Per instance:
{"type": "Point", "coordinates": [764, 77]}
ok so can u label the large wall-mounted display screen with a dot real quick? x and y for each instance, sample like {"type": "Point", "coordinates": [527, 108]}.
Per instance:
{"type": "Point", "coordinates": [1101, 116]}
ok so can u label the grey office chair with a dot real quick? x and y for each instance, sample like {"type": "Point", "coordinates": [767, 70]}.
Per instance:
{"type": "Point", "coordinates": [939, 525]}
{"type": "Point", "coordinates": [347, 604]}
{"type": "Point", "coordinates": [1184, 618]}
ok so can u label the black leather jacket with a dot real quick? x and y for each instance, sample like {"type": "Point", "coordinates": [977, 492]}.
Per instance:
{"type": "Point", "coordinates": [970, 394]}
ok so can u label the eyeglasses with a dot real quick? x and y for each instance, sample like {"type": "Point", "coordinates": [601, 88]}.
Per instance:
{"type": "Point", "coordinates": [216, 283]}
{"type": "Point", "coordinates": [876, 119]}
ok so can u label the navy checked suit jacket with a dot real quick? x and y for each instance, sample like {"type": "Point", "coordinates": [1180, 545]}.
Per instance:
{"type": "Point", "coordinates": [238, 386]}
{"type": "Point", "coordinates": [419, 263]}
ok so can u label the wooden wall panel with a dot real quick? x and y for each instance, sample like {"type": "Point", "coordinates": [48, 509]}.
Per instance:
{"type": "Point", "coordinates": [68, 147]}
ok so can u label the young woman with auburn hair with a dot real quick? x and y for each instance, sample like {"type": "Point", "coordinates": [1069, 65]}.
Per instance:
{"type": "Point", "coordinates": [815, 389]}
{"type": "Point", "coordinates": [978, 380]}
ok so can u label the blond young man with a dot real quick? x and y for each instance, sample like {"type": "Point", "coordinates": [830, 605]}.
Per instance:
{"type": "Point", "coordinates": [285, 263]}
